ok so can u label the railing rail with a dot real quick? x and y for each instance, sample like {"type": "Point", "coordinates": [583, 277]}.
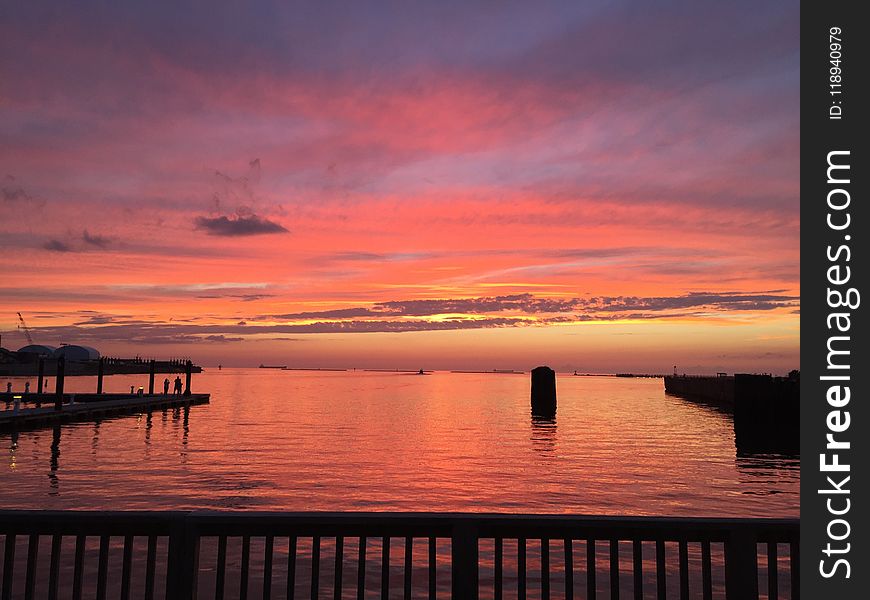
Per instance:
{"type": "Point", "coordinates": [174, 543]}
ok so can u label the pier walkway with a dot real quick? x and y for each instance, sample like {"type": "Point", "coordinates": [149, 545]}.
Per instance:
{"type": "Point", "coordinates": [84, 407]}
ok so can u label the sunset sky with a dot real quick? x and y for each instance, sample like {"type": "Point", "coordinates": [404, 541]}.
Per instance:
{"type": "Point", "coordinates": [602, 186]}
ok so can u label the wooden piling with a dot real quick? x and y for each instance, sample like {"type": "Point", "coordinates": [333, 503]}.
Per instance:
{"type": "Point", "coordinates": [40, 381]}
{"type": "Point", "coordinates": [58, 398]}
{"type": "Point", "coordinates": [100, 376]}
{"type": "Point", "coordinates": [543, 391]}
{"type": "Point", "coordinates": [151, 370]}
{"type": "Point", "coordinates": [188, 368]}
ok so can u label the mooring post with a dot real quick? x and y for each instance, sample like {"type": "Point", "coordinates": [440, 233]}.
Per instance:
{"type": "Point", "coordinates": [40, 374]}
{"type": "Point", "coordinates": [100, 375]}
{"type": "Point", "coordinates": [152, 368]}
{"type": "Point", "coordinates": [543, 391]}
{"type": "Point", "coordinates": [58, 394]}
{"type": "Point", "coordinates": [188, 370]}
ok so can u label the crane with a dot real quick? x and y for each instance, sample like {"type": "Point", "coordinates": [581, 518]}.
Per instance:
{"type": "Point", "coordinates": [23, 325]}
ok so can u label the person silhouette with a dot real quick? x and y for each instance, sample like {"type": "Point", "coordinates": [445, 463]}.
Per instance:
{"type": "Point", "coordinates": [177, 390]}
{"type": "Point", "coordinates": [166, 386]}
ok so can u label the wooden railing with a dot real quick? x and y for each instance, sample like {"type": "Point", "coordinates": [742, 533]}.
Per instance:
{"type": "Point", "coordinates": [172, 554]}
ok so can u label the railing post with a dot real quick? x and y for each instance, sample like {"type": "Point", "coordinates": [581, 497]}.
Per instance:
{"type": "Point", "coordinates": [741, 565]}
{"type": "Point", "coordinates": [463, 549]}
{"type": "Point", "coordinates": [183, 560]}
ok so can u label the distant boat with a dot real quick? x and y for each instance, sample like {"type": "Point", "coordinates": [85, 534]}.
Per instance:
{"type": "Point", "coordinates": [273, 366]}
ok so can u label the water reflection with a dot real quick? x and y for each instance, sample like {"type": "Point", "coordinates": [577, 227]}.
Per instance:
{"type": "Point", "coordinates": [448, 442]}
{"type": "Point", "coordinates": [13, 447]}
{"type": "Point", "coordinates": [185, 430]}
{"type": "Point", "coordinates": [149, 423]}
{"type": "Point", "coordinates": [54, 462]}
{"type": "Point", "coordinates": [544, 434]}
{"type": "Point", "coordinates": [95, 439]}
{"type": "Point", "coordinates": [751, 440]}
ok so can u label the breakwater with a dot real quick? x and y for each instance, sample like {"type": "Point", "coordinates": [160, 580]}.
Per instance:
{"type": "Point", "coordinates": [766, 409]}
{"type": "Point", "coordinates": [718, 390]}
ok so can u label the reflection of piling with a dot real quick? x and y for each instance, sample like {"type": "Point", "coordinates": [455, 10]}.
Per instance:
{"type": "Point", "coordinates": [100, 376]}
{"type": "Point", "coordinates": [40, 375]}
{"type": "Point", "coordinates": [151, 370]}
{"type": "Point", "coordinates": [58, 398]}
{"type": "Point", "coordinates": [543, 391]}
{"type": "Point", "coordinates": [188, 369]}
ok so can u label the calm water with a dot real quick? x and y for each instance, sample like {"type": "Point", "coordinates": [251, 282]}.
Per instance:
{"type": "Point", "coordinates": [391, 441]}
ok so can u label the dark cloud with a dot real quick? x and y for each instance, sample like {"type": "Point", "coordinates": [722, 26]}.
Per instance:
{"type": "Point", "coordinates": [101, 319]}
{"type": "Point", "coordinates": [242, 297]}
{"type": "Point", "coordinates": [98, 241]}
{"type": "Point", "coordinates": [725, 301]}
{"type": "Point", "coordinates": [57, 246]}
{"type": "Point", "coordinates": [238, 225]}
{"type": "Point", "coordinates": [528, 304]}
{"type": "Point", "coordinates": [180, 339]}
{"type": "Point", "coordinates": [11, 191]}
{"type": "Point", "coordinates": [381, 317]}
{"type": "Point", "coordinates": [220, 339]}
{"type": "Point", "coordinates": [235, 202]}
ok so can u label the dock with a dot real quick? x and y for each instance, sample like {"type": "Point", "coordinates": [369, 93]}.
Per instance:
{"type": "Point", "coordinates": [85, 407]}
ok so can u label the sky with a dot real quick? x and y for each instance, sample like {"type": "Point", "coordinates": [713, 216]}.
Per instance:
{"type": "Point", "coordinates": [600, 186]}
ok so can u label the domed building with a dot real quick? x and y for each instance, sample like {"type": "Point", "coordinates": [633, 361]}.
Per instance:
{"type": "Point", "coordinates": [72, 352]}
{"type": "Point", "coordinates": [38, 349]}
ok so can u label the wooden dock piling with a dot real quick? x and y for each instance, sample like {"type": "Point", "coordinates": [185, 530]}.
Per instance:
{"type": "Point", "coordinates": [100, 376]}
{"type": "Point", "coordinates": [58, 394]}
{"type": "Point", "coordinates": [151, 370]}
{"type": "Point", "coordinates": [188, 369]}
{"type": "Point", "coordinates": [543, 391]}
{"type": "Point", "coordinates": [40, 375]}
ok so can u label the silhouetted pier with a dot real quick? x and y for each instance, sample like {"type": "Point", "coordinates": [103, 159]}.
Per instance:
{"type": "Point", "coordinates": [85, 407]}
{"type": "Point", "coordinates": [66, 407]}
{"type": "Point", "coordinates": [32, 365]}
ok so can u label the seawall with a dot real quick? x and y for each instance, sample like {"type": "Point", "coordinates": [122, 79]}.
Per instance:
{"type": "Point", "coordinates": [766, 408]}
{"type": "Point", "coordinates": [719, 390]}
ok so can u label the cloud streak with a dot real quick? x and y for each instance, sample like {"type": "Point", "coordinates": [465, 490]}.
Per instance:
{"type": "Point", "coordinates": [238, 226]}
{"type": "Point", "coordinates": [57, 246]}
{"type": "Point", "coordinates": [524, 310]}
{"type": "Point", "coordinates": [97, 241]}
